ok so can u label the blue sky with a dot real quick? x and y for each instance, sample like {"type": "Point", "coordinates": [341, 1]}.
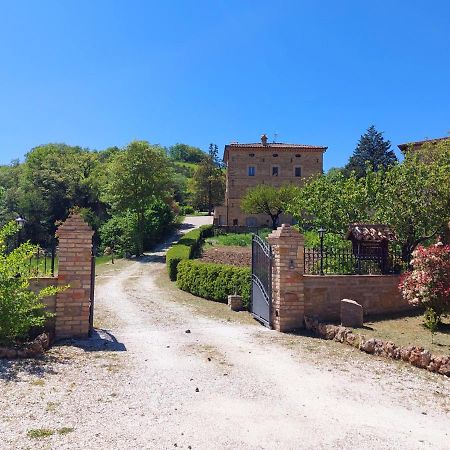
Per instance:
{"type": "Point", "coordinates": [102, 73]}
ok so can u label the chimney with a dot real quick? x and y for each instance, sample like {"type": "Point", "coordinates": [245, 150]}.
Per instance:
{"type": "Point", "coordinates": [264, 139]}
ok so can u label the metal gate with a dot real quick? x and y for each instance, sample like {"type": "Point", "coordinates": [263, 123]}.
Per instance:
{"type": "Point", "coordinates": [261, 298]}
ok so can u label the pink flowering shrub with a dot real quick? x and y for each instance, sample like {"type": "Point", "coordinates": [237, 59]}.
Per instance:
{"type": "Point", "coordinates": [428, 284]}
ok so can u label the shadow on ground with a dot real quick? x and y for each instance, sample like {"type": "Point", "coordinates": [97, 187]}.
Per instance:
{"type": "Point", "coordinates": [99, 341]}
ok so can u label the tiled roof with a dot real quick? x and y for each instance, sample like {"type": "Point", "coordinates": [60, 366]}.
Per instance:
{"type": "Point", "coordinates": [405, 146]}
{"type": "Point", "coordinates": [275, 145]}
{"type": "Point", "coordinates": [370, 232]}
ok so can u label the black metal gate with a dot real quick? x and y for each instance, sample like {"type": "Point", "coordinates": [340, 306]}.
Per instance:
{"type": "Point", "coordinates": [261, 299]}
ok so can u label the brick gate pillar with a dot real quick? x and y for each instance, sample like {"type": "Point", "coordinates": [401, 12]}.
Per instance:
{"type": "Point", "coordinates": [74, 269]}
{"type": "Point", "coordinates": [287, 278]}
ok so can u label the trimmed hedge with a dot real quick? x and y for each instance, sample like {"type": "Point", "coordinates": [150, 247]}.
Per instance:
{"type": "Point", "coordinates": [187, 247]}
{"type": "Point", "coordinates": [214, 281]}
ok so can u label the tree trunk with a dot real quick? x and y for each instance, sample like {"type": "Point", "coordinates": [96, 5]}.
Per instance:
{"type": "Point", "coordinates": [274, 222]}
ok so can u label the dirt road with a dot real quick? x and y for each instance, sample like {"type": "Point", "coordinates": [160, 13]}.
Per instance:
{"type": "Point", "coordinates": [173, 371]}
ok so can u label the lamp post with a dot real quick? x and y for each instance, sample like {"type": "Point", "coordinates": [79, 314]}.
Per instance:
{"type": "Point", "coordinates": [321, 232]}
{"type": "Point", "coordinates": [20, 222]}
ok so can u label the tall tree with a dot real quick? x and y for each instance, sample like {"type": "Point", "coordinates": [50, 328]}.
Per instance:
{"type": "Point", "coordinates": [186, 153]}
{"type": "Point", "coordinates": [208, 183]}
{"type": "Point", "coordinates": [266, 199]}
{"type": "Point", "coordinates": [371, 152]}
{"type": "Point", "coordinates": [137, 177]}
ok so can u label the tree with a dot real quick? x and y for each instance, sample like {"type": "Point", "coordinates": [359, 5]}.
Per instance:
{"type": "Point", "coordinates": [372, 151]}
{"type": "Point", "coordinates": [138, 176]}
{"type": "Point", "coordinates": [332, 201]}
{"type": "Point", "coordinates": [186, 153]}
{"type": "Point", "coordinates": [414, 197]}
{"type": "Point", "coordinates": [208, 183]}
{"type": "Point", "coordinates": [266, 199]}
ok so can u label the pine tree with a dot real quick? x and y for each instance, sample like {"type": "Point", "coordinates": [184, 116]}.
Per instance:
{"type": "Point", "coordinates": [372, 149]}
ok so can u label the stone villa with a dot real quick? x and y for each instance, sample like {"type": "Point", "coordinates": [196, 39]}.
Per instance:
{"type": "Point", "coordinates": [264, 162]}
{"type": "Point", "coordinates": [418, 144]}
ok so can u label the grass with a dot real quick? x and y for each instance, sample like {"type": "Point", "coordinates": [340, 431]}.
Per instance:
{"type": "Point", "coordinates": [39, 433]}
{"type": "Point", "coordinates": [409, 331]}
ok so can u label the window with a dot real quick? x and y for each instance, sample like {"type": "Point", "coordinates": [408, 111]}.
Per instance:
{"type": "Point", "coordinates": [251, 222]}
{"type": "Point", "coordinates": [251, 155]}
{"type": "Point", "coordinates": [298, 155]}
{"type": "Point", "coordinates": [275, 171]}
{"type": "Point", "coordinates": [275, 155]}
{"type": "Point", "coordinates": [251, 171]}
{"type": "Point", "coordinates": [235, 222]}
{"type": "Point", "coordinates": [297, 171]}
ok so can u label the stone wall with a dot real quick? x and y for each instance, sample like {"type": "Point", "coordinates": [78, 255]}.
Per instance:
{"type": "Point", "coordinates": [378, 294]}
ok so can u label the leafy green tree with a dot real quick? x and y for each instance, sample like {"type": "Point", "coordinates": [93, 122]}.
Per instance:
{"type": "Point", "coordinates": [266, 199]}
{"type": "Point", "coordinates": [414, 197]}
{"type": "Point", "coordinates": [21, 310]}
{"type": "Point", "coordinates": [137, 176]}
{"type": "Point", "coordinates": [186, 153]}
{"type": "Point", "coordinates": [208, 183]}
{"type": "Point", "coordinates": [372, 151]}
{"type": "Point", "coordinates": [332, 201]}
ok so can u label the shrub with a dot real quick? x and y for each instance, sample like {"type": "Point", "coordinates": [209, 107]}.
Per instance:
{"type": "Point", "coordinates": [214, 281]}
{"type": "Point", "coordinates": [21, 310]}
{"type": "Point", "coordinates": [187, 247]}
{"type": "Point", "coordinates": [428, 284]}
{"type": "Point", "coordinates": [187, 210]}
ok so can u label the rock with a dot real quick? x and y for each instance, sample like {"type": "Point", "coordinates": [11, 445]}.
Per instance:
{"type": "Point", "coordinates": [405, 352]}
{"type": "Point", "coordinates": [367, 346]}
{"type": "Point", "coordinates": [330, 331]}
{"type": "Point", "coordinates": [391, 350]}
{"type": "Point", "coordinates": [197, 390]}
{"type": "Point", "coordinates": [351, 313]}
{"type": "Point", "coordinates": [188, 331]}
{"type": "Point", "coordinates": [444, 369]}
{"type": "Point", "coordinates": [435, 363]}
{"type": "Point", "coordinates": [340, 334]}
{"type": "Point", "coordinates": [322, 330]}
{"type": "Point", "coordinates": [420, 358]}
{"type": "Point", "coordinates": [351, 339]}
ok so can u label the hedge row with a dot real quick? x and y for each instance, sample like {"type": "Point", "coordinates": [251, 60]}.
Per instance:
{"type": "Point", "coordinates": [214, 281]}
{"type": "Point", "coordinates": [187, 247]}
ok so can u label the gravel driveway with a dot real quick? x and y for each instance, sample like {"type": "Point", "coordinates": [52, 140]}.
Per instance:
{"type": "Point", "coordinates": [144, 382]}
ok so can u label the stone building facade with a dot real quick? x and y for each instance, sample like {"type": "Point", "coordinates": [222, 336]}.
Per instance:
{"type": "Point", "coordinates": [271, 163]}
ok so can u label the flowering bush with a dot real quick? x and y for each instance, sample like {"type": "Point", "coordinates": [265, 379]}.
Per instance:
{"type": "Point", "coordinates": [428, 284]}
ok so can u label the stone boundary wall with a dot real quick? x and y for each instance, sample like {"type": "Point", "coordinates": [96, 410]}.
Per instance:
{"type": "Point", "coordinates": [378, 294]}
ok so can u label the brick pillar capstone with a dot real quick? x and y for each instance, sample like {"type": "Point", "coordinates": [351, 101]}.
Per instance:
{"type": "Point", "coordinates": [287, 278]}
{"type": "Point", "coordinates": [74, 269]}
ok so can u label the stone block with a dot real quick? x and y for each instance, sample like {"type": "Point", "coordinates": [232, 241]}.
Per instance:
{"type": "Point", "coordinates": [352, 314]}
{"type": "Point", "coordinates": [235, 302]}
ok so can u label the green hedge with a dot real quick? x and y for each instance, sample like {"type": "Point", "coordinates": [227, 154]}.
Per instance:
{"type": "Point", "coordinates": [187, 247]}
{"type": "Point", "coordinates": [214, 281]}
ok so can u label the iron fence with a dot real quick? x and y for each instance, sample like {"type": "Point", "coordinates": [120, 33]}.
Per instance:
{"type": "Point", "coordinates": [338, 261]}
{"type": "Point", "coordinates": [43, 263]}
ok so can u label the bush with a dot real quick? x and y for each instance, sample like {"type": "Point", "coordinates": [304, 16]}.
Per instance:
{"type": "Point", "coordinates": [187, 210]}
{"type": "Point", "coordinates": [21, 310]}
{"type": "Point", "coordinates": [428, 284]}
{"type": "Point", "coordinates": [187, 247]}
{"type": "Point", "coordinates": [214, 281]}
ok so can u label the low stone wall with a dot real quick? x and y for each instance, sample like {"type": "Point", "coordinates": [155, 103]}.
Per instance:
{"type": "Point", "coordinates": [36, 284]}
{"type": "Point", "coordinates": [378, 294]}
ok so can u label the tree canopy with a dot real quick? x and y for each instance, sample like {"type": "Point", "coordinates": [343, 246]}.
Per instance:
{"type": "Point", "coordinates": [186, 153]}
{"type": "Point", "coordinates": [372, 152]}
{"type": "Point", "coordinates": [266, 199]}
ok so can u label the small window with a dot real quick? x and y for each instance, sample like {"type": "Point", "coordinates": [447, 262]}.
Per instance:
{"type": "Point", "coordinates": [298, 155]}
{"type": "Point", "coordinates": [251, 155]}
{"type": "Point", "coordinates": [297, 171]}
{"type": "Point", "coordinates": [235, 222]}
{"type": "Point", "coordinates": [275, 155]}
{"type": "Point", "coordinates": [275, 171]}
{"type": "Point", "coordinates": [251, 171]}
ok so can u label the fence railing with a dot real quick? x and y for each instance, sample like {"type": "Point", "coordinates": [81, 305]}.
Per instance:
{"type": "Point", "coordinates": [44, 263]}
{"type": "Point", "coordinates": [338, 261]}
